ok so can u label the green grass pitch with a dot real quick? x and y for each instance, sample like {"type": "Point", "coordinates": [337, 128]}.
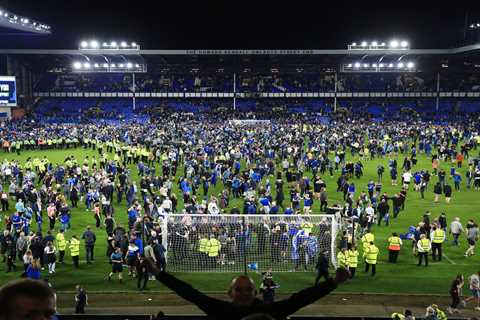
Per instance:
{"type": "Point", "coordinates": [404, 277]}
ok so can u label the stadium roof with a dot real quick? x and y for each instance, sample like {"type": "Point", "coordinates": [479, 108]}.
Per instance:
{"type": "Point", "coordinates": [459, 50]}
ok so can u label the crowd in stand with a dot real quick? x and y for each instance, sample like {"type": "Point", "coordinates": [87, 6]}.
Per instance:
{"type": "Point", "coordinates": [196, 81]}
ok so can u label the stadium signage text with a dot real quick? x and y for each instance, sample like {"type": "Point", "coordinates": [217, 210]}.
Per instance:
{"type": "Point", "coordinates": [247, 52]}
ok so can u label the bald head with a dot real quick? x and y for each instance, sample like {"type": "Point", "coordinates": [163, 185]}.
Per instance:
{"type": "Point", "coordinates": [242, 290]}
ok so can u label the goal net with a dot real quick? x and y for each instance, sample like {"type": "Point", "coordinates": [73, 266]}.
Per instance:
{"type": "Point", "coordinates": [237, 243]}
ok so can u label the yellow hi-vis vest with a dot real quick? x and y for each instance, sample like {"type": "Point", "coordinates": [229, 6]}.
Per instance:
{"type": "Point", "coordinates": [398, 316]}
{"type": "Point", "coordinates": [371, 254]}
{"type": "Point", "coordinates": [342, 260]}
{"type": "Point", "coordinates": [394, 243]}
{"type": "Point", "coordinates": [366, 239]}
{"type": "Point", "coordinates": [203, 245]}
{"type": "Point", "coordinates": [61, 243]}
{"type": "Point", "coordinates": [425, 245]}
{"type": "Point", "coordinates": [74, 247]}
{"type": "Point", "coordinates": [352, 258]}
{"type": "Point", "coordinates": [213, 247]}
{"type": "Point", "coordinates": [438, 236]}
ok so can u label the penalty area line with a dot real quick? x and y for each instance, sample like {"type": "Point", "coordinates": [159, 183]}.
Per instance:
{"type": "Point", "coordinates": [449, 260]}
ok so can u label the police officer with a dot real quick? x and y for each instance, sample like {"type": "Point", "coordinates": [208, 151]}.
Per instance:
{"type": "Point", "coordinates": [394, 245]}
{"type": "Point", "coordinates": [424, 247]}
{"type": "Point", "coordinates": [75, 250]}
{"type": "Point", "coordinates": [61, 245]}
{"type": "Point", "coordinates": [213, 248]}
{"type": "Point", "coordinates": [203, 251]}
{"type": "Point", "coordinates": [371, 255]}
{"type": "Point", "coordinates": [437, 236]}
{"type": "Point", "coordinates": [366, 239]}
{"type": "Point", "coordinates": [342, 258]}
{"type": "Point", "coordinates": [352, 259]}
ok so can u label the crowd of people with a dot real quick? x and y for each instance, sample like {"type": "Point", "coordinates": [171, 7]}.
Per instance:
{"type": "Point", "coordinates": [176, 164]}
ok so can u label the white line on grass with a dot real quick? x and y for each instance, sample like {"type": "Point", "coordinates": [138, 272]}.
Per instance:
{"type": "Point", "coordinates": [449, 260]}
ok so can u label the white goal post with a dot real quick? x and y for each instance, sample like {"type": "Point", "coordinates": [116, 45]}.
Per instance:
{"type": "Point", "coordinates": [240, 243]}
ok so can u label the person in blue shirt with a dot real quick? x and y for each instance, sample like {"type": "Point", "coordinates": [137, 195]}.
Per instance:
{"type": "Point", "coordinates": [236, 184]}
{"type": "Point", "coordinates": [141, 168]}
{"type": "Point", "coordinates": [33, 270]}
{"type": "Point", "coordinates": [275, 208]}
{"type": "Point", "coordinates": [17, 222]}
{"type": "Point", "coordinates": [457, 179]}
{"type": "Point", "coordinates": [116, 259]}
{"type": "Point", "coordinates": [351, 188]}
{"type": "Point", "coordinates": [65, 221]}
{"type": "Point", "coordinates": [393, 176]}
{"type": "Point", "coordinates": [452, 171]}
{"type": "Point", "coordinates": [307, 203]}
{"type": "Point", "coordinates": [132, 216]}
{"type": "Point", "coordinates": [138, 242]}
{"type": "Point", "coordinates": [289, 211]}
{"type": "Point", "coordinates": [19, 206]}
{"type": "Point", "coordinates": [370, 188]}
{"type": "Point", "coordinates": [26, 220]}
{"type": "Point", "coordinates": [39, 220]}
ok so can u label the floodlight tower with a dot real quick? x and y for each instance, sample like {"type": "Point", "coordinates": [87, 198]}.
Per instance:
{"type": "Point", "coordinates": [94, 47]}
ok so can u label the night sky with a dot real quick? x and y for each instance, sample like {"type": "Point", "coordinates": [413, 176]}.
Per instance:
{"type": "Point", "coordinates": [233, 24]}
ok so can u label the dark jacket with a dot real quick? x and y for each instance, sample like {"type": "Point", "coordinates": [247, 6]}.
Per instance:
{"type": "Point", "coordinates": [220, 309]}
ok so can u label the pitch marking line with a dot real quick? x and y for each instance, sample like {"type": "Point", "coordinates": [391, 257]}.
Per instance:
{"type": "Point", "coordinates": [449, 260]}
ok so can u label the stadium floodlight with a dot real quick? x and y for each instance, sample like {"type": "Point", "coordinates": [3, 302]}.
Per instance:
{"type": "Point", "coordinates": [129, 65]}
{"type": "Point", "coordinates": [123, 44]}
{"type": "Point", "coordinates": [364, 43]}
{"type": "Point", "coordinates": [400, 65]}
{"type": "Point", "coordinates": [349, 65]}
{"type": "Point", "coordinates": [77, 65]}
{"type": "Point", "coordinates": [137, 66]}
{"type": "Point", "coordinates": [374, 65]}
{"type": "Point", "coordinates": [105, 65]}
{"type": "Point", "coordinates": [84, 44]}
{"type": "Point", "coordinates": [357, 65]}
{"type": "Point", "coordinates": [374, 43]}
{"type": "Point", "coordinates": [354, 44]}
{"type": "Point", "coordinates": [121, 65]}
{"type": "Point", "coordinates": [105, 45]}
{"type": "Point", "coordinates": [134, 44]}
{"type": "Point", "coordinates": [96, 65]}
{"type": "Point", "coordinates": [112, 65]}
{"type": "Point", "coordinates": [404, 44]}
{"type": "Point", "coordinates": [94, 44]}
{"type": "Point", "coordinates": [113, 44]}
{"type": "Point", "coordinates": [410, 65]}
{"type": "Point", "coordinates": [17, 22]}
{"type": "Point", "coordinates": [381, 65]}
{"type": "Point", "coordinates": [86, 65]}
{"type": "Point", "coordinates": [390, 65]}
{"type": "Point", "coordinates": [394, 44]}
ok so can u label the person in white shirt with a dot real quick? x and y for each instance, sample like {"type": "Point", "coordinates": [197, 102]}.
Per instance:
{"type": "Point", "coordinates": [407, 177]}
{"type": "Point", "coordinates": [474, 284]}
{"type": "Point", "coordinates": [370, 214]}
{"type": "Point", "coordinates": [456, 229]}
{"type": "Point", "coordinates": [213, 207]}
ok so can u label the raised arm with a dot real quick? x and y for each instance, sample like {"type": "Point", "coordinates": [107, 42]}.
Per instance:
{"type": "Point", "coordinates": [202, 301]}
{"type": "Point", "coordinates": [309, 295]}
